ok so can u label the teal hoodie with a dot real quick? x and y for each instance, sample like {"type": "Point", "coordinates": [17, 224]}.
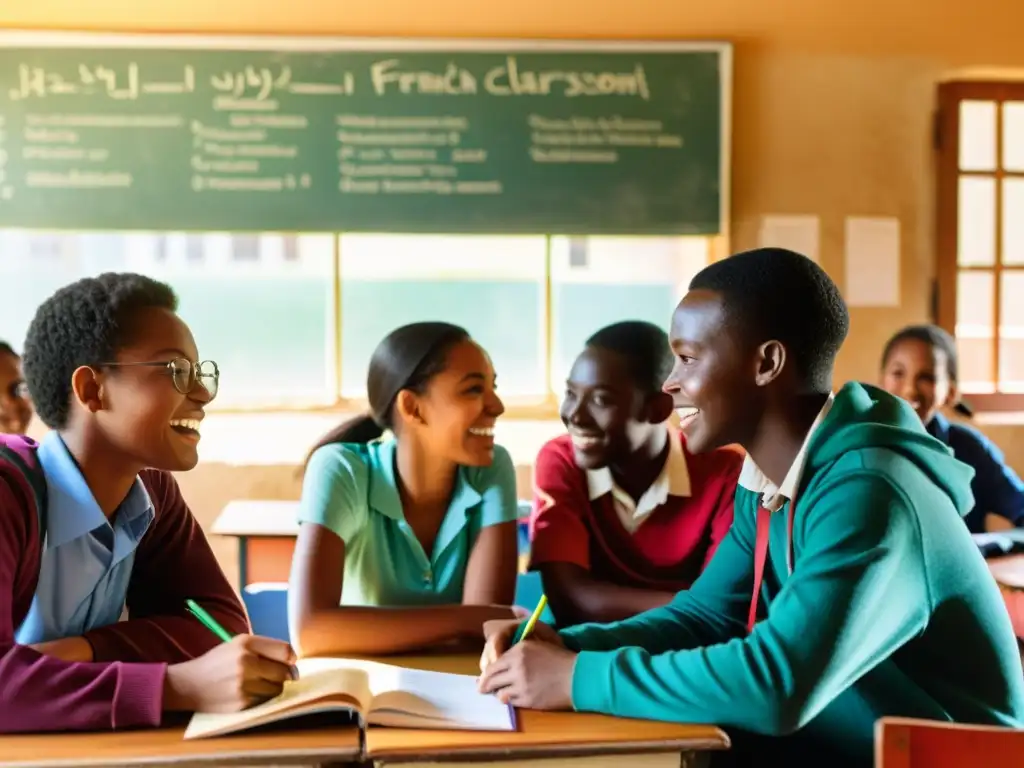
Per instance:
{"type": "Point", "coordinates": [889, 610]}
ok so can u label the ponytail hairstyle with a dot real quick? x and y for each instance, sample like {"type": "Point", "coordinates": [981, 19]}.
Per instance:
{"type": "Point", "coordinates": [407, 358]}
{"type": "Point", "coordinates": [936, 338]}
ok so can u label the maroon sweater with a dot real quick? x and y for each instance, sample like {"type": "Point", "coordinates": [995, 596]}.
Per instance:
{"type": "Point", "coordinates": [124, 686]}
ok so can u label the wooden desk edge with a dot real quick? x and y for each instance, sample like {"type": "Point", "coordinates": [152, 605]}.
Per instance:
{"type": "Point", "coordinates": [419, 753]}
{"type": "Point", "coordinates": [242, 752]}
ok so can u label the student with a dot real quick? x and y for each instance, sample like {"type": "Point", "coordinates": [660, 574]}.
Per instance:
{"type": "Point", "coordinates": [88, 531]}
{"type": "Point", "coordinates": [15, 406]}
{"type": "Point", "coordinates": [409, 541]}
{"type": "Point", "coordinates": [624, 516]}
{"type": "Point", "coordinates": [919, 364]}
{"type": "Point", "coordinates": [875, 601]}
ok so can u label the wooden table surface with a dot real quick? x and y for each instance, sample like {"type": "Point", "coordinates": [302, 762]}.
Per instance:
{"type": "Point", "coordinates": [1009, 571]}
{"type": "Point", "coordinates": [539, 735]}
{"type": "Point", "coordinates": [167, 747]}
{"type": "Point", "coordinates": [245, 517]}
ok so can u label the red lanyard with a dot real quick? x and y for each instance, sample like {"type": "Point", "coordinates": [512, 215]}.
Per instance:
{"type": "Point", "coordinates": [764, 518]}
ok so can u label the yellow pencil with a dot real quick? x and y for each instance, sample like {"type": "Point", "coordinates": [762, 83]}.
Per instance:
{"type": "Point", "coordinates": [527, 628]}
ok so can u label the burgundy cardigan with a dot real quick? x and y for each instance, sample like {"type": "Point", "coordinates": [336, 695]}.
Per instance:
{"type": "Point", "coordinates": [123, 687]}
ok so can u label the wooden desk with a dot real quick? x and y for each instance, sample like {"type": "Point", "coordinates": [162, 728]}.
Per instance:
{"type": "Point", "coordinates": [540, 734]}
{"type": "Point", "coordinates": [266, 532]}
{"type": "Point", "coordinates": [1009, 574]}
{"type": "Point", "coordinates": [166, 747]}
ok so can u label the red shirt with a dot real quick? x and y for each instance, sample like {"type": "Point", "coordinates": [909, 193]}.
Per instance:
{"type": "Point", "coordinates": [575, 517]}
{"type": "Point", "coordinates": [124, 687]}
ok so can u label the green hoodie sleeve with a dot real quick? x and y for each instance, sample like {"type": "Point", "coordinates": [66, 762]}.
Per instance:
{"type": "Point", "coordinates": [713, 610]}
{"type": "Point", "coordinates": [857, 594]}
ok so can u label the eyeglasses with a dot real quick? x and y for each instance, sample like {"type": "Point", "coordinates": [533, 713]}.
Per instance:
{"type": "Point", "coordinates": [18, 390]}
{"type": "Point", "coordinates": [185, 374]}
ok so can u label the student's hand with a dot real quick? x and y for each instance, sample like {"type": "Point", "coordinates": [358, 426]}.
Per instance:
{"type": "Point", "coordinates": [66, 649]}
{"type": "Point", "coordinates": [532, 675]}
{"type": "Point", "coordinates": [499, 634]}
{"type": "Point", "coordinates": [231, 677]}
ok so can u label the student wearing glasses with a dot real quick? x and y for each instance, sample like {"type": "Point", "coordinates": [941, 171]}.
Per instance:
{"type": "Point", "coordinates": [408, 541]}
{"type": "Point", "coordinates": [98, 550]}
{"type": "Point", "coordinates": [15, 405]}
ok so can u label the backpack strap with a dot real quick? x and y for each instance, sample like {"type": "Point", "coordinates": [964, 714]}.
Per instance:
{"type": "Point", "coordinates": [36, 482]}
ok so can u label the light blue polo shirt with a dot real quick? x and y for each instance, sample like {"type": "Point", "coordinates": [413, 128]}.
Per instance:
{"type": "Point", "coordinates": [86, 562]}
{"type": "Point", "coordinates": [351, 489]}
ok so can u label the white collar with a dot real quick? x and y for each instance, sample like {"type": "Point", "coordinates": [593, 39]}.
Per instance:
{"type": "Point", "coordinates": [774, 497]}
{"type": "Point", "coordinates": [673, 480]}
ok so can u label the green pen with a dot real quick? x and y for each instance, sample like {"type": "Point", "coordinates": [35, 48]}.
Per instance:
{"type": "Point", "coordinates": [211, 624]}
{"type": "Point", "coordinates": [207, 620]}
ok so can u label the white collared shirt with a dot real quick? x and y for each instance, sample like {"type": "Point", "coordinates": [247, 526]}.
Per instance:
{"type": "Point", "coordinates": [773, 497]}
{"type": "Point", "coordinates": [674, 480]}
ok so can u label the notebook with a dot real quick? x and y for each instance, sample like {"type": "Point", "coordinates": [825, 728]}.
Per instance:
{"type": "Point", "coordinates": [377, 694]}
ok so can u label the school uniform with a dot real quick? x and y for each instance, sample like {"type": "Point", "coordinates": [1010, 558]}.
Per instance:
{"type": "Point", "coordinates": [997, 488]}
{"type": "Point", "coordinates": [67, 571]}
{"type": "Point", "coordinates": [352, 490]}
{"type": "Point", "coordinates": [875, 601]}
{"type": "Point", "coordinates": [662, 541]}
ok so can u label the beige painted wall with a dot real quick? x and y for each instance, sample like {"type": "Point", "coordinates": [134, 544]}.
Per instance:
{"type": "Point", "coordinates": [832, 116]}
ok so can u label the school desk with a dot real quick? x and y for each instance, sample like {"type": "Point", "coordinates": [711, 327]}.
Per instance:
{"type": "Point", "coordinates": [338, 746]}
{"type": "Point", "coordinates": [540, 735]}
{"type": "Point", "coordinates": [266, 532]}
{"type": "Point", "coordinates": [1009, 574]}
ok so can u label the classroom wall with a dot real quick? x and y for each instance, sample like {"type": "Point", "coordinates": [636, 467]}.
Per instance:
{"type": "Point", "coordinates": [832, 115]}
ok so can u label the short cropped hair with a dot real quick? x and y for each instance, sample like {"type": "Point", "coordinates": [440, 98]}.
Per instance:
{"type": "Point", "coordinates": [84, 323]}
{"type": "Point", "coordinates": [645, 348]}
{"type": "Point", "coordinates": [777, 294]}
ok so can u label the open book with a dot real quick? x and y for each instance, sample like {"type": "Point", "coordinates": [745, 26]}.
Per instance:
{"type": "Point", "coordinates": [378, 694]}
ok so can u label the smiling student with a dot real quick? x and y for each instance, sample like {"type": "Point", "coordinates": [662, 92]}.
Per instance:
{"type": "Point", "coordinates": [94, 526]}
{"type": "Point", "coordinates": [15, 404]}
{"type": "Point", "coordinates": [624, 516]}
{"type": "Point", "coordinates": [919, 364]}
{"type": "Point", "coordinates": [409, 541]}
{"type": "Point", "coordinates": [869, 597]}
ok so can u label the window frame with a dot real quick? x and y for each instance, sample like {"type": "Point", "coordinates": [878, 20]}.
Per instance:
{"type": "Point", "coordinates": [948, 173]}
{"type": "Point", "coordinates": [522, 407]}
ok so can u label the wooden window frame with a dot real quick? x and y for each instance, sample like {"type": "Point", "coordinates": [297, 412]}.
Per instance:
{"type": "Point", "coordinates": [947, 141]}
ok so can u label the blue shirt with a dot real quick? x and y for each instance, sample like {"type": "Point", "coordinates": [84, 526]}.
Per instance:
{"type": "Point", "coordinates": [352, 490]}
{"type": "Point", "coordinates": [86, 562]}
{"type": "Point", "coordinates": [997, 488]}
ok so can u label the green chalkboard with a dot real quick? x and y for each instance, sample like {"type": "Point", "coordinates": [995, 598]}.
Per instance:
{"type": "Point", "coordinates": [118, 133]}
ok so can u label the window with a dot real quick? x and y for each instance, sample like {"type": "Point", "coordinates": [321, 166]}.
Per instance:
{"type": "Point", "coordinates": [981, 237]}
{"type": "Point", "coordinates": [293, 319]}
{"type": "Point", "coordinates": [492, 286]}
{"type": "Point", "coordinates": [269, 326]}
{"type": "Point", "coordinates": [596, 281]}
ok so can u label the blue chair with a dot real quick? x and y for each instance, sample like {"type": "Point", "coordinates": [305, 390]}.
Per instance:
{"type": "Point", "coordinates": [267, 606]}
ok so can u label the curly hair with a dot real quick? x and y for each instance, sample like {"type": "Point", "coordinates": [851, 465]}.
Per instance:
{"type": "Point", "coordinates": [84, 323]}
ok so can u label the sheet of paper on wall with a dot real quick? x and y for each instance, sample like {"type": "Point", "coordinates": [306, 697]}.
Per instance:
{"type": "Point", "coordinates": [794, 233]}
{"type": "Point", "coordinates": [872, 262]}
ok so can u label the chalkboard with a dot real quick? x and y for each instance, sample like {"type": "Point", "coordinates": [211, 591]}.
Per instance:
{"type": "Point", "coordinates": [145, 133]}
